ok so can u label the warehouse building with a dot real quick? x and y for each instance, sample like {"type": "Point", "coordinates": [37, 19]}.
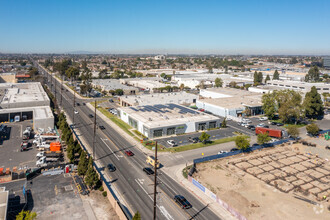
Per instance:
{"type": "Point", "coordinates": [181, 98]}
{"type": "Point", "coordinates": [303, 87]}
{"type": "Point", "coordinates": [230, 103]}
{"type": "Point", "coordinates": [167, 119]}
{"type": "Point", "coordinates": [151, 84]}
{"type": "Point", "coordinates": [25, 101]}
{"type": "Point", "coordinates": [109, 85]}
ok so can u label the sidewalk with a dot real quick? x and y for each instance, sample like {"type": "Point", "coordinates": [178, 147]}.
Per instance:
{"type": "Point", "coordinates": [175, 173]}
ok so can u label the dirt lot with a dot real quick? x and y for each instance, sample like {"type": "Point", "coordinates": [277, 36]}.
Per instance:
{"type": "Point", "coordinates": [275, 183]}
{"type": "Point", "coordinates": [101, 206]}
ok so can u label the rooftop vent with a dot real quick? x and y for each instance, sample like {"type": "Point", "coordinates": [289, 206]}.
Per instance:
{"type": "Point", "coordinates": [150, 119]}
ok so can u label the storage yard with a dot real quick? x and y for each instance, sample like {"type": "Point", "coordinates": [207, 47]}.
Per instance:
{"type": "Point", "coordinates": [284, 182]}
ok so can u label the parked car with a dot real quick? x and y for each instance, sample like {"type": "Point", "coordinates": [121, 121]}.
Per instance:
{"type": "Point", "coordinates": [252, 127]}
{"type": "Point", "coordinates": [90, 115]}
{"type": "Point", "coordinates": [110, 100]}
{"type": "Point", "coordinates": [222, 152]}
{"type": "Point", "coordinates": [263, 119]}
{"type": "Point", "coordinates": [233, 149]}
{"type": "Point", "coordinates": [272, 123]}
{"type": "Point", "coordinates": [255, 144]}
{"type": "Point", "coordinates": [76, 112]}
{"type": "Point", "coordinates": [193, 139]}
{"type": "Point", "coordinates": [171, 143]}
{"type": "Point", "coordinates": [148, 171]}
{"type": "Point", "coordinates": [111, 167]}
{"type": "Point", "coordinates": [279, 124]}
{"type": "Point", "coordinates": [182, 202]}
{"type": "Point", "coordinates": [84, 103]}
{"type": "Point", "coordinates": [101, 127]}
{"type": "Point", "coordinates": [129, 153]}
{"type": "Point", "coordinates": [78, 104]}
{"type": "Point", "coordinates": [262, 125]}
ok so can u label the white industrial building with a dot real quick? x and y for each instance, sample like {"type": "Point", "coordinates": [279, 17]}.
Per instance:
{"type": "Point", "coordinates": [27, 101]}
{"type": "Point", "coordinates": [182, 98]}
{"type": "Point", "coordinates": [168, 119]}
{"type": "Point", "coordinates": [230, 103]}
{"type": "Point", "coordinates": [146, 83]}
{"type": "Point", "coordinates": [303, 87]}
{"type": "Point", "coordinates": [114, 84]}
{"type": "Point", "coordinates": [4, 198]}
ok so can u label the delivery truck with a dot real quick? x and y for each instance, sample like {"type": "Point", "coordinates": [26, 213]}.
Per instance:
{"type": "Point", "coordinates": [51, 154]}
{"type": "Point", "coordinates": [43, 161]}
{"type": "Point", "coordinates": [277, 133]}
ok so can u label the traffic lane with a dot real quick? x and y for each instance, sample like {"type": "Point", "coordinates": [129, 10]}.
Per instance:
{"type": "Point", "coordinates": [137, 161]}
{"type": "Point", "coordinates": [96, 151]}
{"type": "Point", "coordinates": [128, 168]}
{"type": "Point", "coordinates": [124, 185]}
{"type": "Point", "coordinates": [183, 139]}
{"type": "Point", "coordinates": [199, 210]}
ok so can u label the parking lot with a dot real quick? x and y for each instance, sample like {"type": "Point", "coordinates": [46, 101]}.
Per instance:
{"type": "Point", "coordinates": [183, 139]}
{"type": "Point", "coordinates": [51, 197]}
{"type": "Point", "coordinates": [10, 149]}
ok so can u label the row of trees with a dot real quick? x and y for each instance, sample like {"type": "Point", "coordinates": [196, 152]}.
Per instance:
{"type": "Point", "coordinates": [289, 106]}
{"type": "Point", "coordinates": [74, 151]}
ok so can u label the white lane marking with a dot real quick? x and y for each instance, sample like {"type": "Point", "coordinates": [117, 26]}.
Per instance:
{"type": "Point", "coordinates": [167, 185]}
{"type": "Point", "coordinates": [161, 208]}
{"type": "Point", "coordinates": [165, 213]}
{"type": "Point", "coordinates": [143, 189]}
{"type": "Point", "coordinates": [141, 181]}
{"type": "Point", "coordinates": [109, 148]}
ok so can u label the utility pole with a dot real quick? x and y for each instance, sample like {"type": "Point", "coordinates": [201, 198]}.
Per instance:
{"type": "Point", "coordinates": [94, 130]}
{"type": "Point", "coordinates": [61, 89]}
{"type": "Point", "coordinates": [155, 183]}
{"type": "Point", "coordinates": [55, 86]}
{"type": "Point", "coordinates": [74, 105]}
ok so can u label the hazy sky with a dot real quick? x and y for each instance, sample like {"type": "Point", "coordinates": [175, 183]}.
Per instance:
{"type": "Point", "coordinates": [166, 26]}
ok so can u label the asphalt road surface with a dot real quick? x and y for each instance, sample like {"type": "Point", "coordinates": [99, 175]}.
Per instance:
{"type": "Point", "coordinates": [134, 187]}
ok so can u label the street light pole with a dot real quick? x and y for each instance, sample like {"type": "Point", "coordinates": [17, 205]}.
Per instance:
{"type": "Point", "coordinates": [94, 130]}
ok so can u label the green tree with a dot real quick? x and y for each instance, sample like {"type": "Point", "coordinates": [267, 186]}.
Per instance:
{"type": "Point", "coordinates": [276, 75]}
{"type": "Point", "coordinates": [204, 137]}
{"type": "Point", "coordinates": [72, 73]}
{"type": "Point", "coordinates": [83, 164]}
{"type": "Point", "coordinates": [267, 78]}
{"type": "Point", "coordinates": [260, 78]}
{"type": "Point", "coordinates": [313, 105]}
{"type": "Point", "coordinates": [163, 75]}
{"type": "Point", "coordinates": [119, 92]}
{"type": "Point", "coordinates": [102, 73]}
{"type": "Point", "coordinates": [255, 78]}
{"type": "Point", "coordinates": [218, 82]}
{"type": "Point", "coordinates": [26, 215]}
{"type": "Point", "coordinates": [312, 129]}
{"type": "Point", "coordinates": [313, 75]}
{"type": "Point", "coordinates": [91, 178]}
{"type": "Point", "coordinates": [263, 138]}
{"type": "Point", "coordinates": [137, 216]}
{"type": "Point", "coordinates": [269, 104]}
{"type": "Point", "coordinates": [293, 131]}
{"type": "Point", "coordinates": [242, 142]}
{"type": "Point", "coordinates": [224, 123]}
{"type": "Point", "coordinates": [289, 105]}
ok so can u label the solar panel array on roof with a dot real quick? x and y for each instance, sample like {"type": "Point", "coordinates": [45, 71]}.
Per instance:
{"type": "Point", "coordinates": [164, 109]}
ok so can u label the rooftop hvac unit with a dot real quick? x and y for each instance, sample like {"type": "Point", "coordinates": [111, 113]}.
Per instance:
{"type": "Point", "coordinates": [150, 119]}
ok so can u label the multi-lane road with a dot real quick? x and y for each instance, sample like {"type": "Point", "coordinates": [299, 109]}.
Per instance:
{"type": "Point", "coordinates": [133, 187]}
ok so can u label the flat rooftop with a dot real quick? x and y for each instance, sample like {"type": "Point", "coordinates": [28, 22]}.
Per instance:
{"type": "Point", "coordinates": [160, 98]}
{"type": "Point", "coordinates": [227, 92]}
{"type": "Point", "coordinates": [40, 112]}
{"type": "Point", "coordinates": [231, 103]}
{"type": "Point", "coordinates": [111, 84]}
{"type": "Point", "coordinates": [154, 116]}
{"type": "Point", "coordinates": [22, 93]}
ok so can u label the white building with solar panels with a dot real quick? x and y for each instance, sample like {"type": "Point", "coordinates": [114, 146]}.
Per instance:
{"type": "Point", "coordinates": [167, 119]}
